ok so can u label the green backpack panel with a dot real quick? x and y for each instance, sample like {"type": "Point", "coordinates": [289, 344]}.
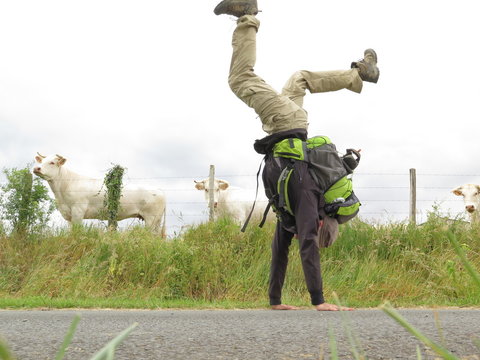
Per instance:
{"type": "Point", "coordinates": [330, 171]}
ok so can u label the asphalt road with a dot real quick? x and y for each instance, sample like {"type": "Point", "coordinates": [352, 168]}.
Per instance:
{"type": "Point", "coordinates": [236, 334]}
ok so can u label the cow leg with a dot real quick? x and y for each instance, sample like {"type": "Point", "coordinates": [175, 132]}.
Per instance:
{"type": "Point", "coordinates": [77, 216]}
{"type": "Point", "coordinates": [156, 223]}
{"type": "Point", "coordinates": [152, 222]}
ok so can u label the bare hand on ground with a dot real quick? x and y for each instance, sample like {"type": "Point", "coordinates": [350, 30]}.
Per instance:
{"type": "Point", "coordinates": [331, 307]}
{"type": "Point", "coordinates": [284, 307]}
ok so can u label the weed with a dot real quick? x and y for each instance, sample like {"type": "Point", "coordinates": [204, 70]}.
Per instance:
{"type": "Point", "coordinates": [113, 182]}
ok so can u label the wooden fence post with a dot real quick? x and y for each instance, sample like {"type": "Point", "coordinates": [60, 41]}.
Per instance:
{"type": "Point", "coordinates": [211, 194]}
{"type": "Point", "coordinates": [413, 196]}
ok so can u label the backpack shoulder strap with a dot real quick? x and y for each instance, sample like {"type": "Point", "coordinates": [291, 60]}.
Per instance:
{"type": "Point", "coordinates": [247, 220]}
{"type": "Point", "coordinates": [282, 188]}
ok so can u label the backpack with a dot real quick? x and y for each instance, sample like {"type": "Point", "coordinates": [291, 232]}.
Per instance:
{"type": "Point", "coordinates": [330, 172]}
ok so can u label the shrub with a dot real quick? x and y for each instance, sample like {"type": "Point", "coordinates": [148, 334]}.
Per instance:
{"type": "Point", "coordinates": [25, 205]}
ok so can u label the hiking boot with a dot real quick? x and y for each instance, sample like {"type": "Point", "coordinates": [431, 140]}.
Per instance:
{"type": "Point", "coordinates": [237, 8]}
{"type": "Point", "coordinates": [367, 67]}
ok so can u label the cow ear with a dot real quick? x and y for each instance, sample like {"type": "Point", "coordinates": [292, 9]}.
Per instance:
{"type": "Point", "coordinates": [199, 185]}
{"type": "Point", "coordinates": [62, 161]}
{"type": "Point", "coordinates": [457, 191]}
{"type": "Point", "coordinates": [223, 185]}
{"type": "Point", "coordinates": [38, 159]}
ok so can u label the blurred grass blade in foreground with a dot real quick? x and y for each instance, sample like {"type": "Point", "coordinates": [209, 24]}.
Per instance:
{"type": "Point", "coordinates": [333, 344]}
{"type": "Point", "coordinates": [477, 343]}
{"type": "Point", "coordinates": [5, 352]}
{"type": "Point", "coordinates": [387, 308]}
{"type": "Point", "coordinates": [419, 353]}
{"type": "Point", "coordinates": [355, 346]}
{"type": "Point", "coordinates": [68, 338]}
{"type": "Point", "coordinates": [107, 352]}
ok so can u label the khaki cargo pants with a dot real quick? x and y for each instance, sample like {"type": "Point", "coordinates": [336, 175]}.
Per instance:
{"type": "Point", "coordinates": [278, 112]}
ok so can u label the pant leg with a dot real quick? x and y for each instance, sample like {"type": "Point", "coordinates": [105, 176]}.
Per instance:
{"type": "Point", "coordinates": [304, 197]}
{"type": "Point", "coordinates": [277, 112]}
{"type": "Point", "coordinates": [310, 256]}
{"type": "Point", "coordinates": [321, 81]}
{"type": "Point", "coordinates": [280, 247]}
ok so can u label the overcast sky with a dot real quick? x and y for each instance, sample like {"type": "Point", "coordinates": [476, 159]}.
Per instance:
{"type": "Point", "coordinates": [143, 84]}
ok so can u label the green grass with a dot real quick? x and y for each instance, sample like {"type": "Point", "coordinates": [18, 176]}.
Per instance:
{"type": "Point", "coordinates": [11, 302]}
{"type": "Point", "coordinates": [214, 265]}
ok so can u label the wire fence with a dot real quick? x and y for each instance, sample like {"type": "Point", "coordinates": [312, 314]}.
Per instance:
{"type": "Point", "coordinates": [384, 196]}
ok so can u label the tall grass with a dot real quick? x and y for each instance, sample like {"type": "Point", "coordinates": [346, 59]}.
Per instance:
{"type": "Point", "coordinates": [216, 263]}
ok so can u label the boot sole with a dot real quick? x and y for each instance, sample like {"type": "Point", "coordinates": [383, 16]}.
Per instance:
{"type": "Point", "coordinates": [236, 9]}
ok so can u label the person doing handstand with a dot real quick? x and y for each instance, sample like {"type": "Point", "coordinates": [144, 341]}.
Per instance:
{"type": "Point", "coordinates": [282, 116]}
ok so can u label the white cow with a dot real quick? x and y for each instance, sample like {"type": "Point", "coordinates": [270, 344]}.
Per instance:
{"type": "Point", "coordinates": [232, 202]}
{"type": "Point", "coordinates": [471, 198]}
{"type": "Point", "coordinates": [79, 197]}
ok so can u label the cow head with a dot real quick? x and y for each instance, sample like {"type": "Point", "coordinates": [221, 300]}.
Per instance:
{"type": "Point", "coordinates": [471, 196]}
{"type": "Point", "coordinates": [218, 186]}
{"type": "Point", "coordinates": [48, 167]}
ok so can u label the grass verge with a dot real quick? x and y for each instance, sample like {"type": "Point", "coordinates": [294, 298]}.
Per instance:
{"type": "Point", "coordinates": [214, 265]}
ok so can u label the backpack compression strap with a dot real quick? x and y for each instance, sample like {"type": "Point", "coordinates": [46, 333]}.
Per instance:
{"type": "Point", "coordinates": [265, 213]}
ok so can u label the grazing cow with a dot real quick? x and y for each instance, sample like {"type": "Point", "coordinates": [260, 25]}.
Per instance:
{"type": "Point", "coordinates": [79, 197]}
{"type": "Point", "coordinates": [231, 202]}
{"type": "Point", "coordinates": [471, 198]}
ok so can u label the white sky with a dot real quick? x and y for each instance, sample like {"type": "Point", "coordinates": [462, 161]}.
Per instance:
{"type": "Point", "coordinates": [143, 84]}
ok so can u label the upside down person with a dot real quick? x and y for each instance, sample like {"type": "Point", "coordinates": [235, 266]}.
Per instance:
{"type": "Point", "coordinates": [283, 117]}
